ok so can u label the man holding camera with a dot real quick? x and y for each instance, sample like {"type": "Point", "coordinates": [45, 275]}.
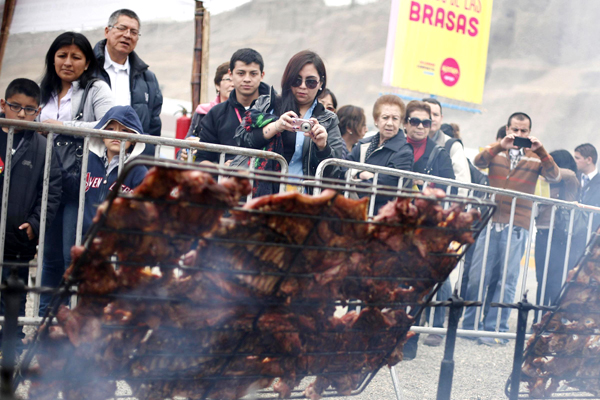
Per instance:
{"type": "Point", "coordinates": [514, 163]}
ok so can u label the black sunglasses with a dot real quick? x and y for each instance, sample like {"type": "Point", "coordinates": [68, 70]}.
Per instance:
{"type": "Point", "coordinates": [416, 122]}
{"type": "Point", "coordinates": [310, 83]}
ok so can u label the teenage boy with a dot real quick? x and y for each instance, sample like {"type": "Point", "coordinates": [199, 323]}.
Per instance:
{"type": "Point", "coordinates": [21, 103]}
{"type": "Point", "coordinates": [247, 71]}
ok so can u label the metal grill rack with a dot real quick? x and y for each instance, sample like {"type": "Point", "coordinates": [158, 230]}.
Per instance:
{"type": "Point", "coordinates": [566, 333]}
{"type": "Point", "coordinates": [219, 353]}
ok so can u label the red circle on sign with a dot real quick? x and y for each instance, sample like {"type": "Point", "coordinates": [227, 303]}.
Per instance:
{"type": "Point", "coordinates": [450, 72]}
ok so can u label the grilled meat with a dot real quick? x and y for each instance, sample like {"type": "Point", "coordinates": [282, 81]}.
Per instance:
{"type": "Point", "coordinates": [253, 304]}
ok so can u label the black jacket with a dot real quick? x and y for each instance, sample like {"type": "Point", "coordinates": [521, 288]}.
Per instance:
{"type": "Point", "coordinates": [396, 153]}
{"type": "Point", "coordinates": [220, 124]}
{"type": "Point", "coordinates": [146, 98]}
{"type": "Point", "coordinates": [442, 165]}
{"type": "Point", "coordinates": [311, 155]}
{"type": "Point", "coordinates": [590, 195]}
{"type": "Point", "coordinates": [25, 195]}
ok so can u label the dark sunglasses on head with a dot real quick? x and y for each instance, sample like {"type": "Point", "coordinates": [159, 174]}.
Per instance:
{"type": "Point", "coordinates": [310, 83]}
{"type": "Point", "coordinates": [416, 122]}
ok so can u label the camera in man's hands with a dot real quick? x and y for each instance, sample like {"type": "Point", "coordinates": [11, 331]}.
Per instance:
{"type": "Point", "coordinates": [522, 142]}
{"type": "Point", "coordinates": [304, 125]}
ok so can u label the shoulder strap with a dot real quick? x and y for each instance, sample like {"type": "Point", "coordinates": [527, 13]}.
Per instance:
{"type": "Point", "coordinates": [450, 142]}
{"type": "Point", "coordinates": [432, 156]}
{"type": "Point", "coordinates": [79, 114]}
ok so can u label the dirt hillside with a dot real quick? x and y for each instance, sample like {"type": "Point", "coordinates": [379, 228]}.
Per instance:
{"type": "Point", "coordinates": [542, 58]}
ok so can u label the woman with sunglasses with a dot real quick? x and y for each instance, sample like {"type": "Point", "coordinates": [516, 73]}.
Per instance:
{"type": "Point", "coordinates": [417, 122]}
{"type": "Point", "coordinates": [71, 96]}
{"type": "Point", "coordinates": [387, 148]}
{"type": "Point", "coordinates": [273, 127]}
{"type": "Point", "coordinates": [430, 159]}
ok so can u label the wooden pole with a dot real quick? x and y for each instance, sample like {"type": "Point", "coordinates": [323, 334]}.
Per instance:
{"type": "Point", "coordinates": [7, 16]}
{"type": "Point", "coordinates": [205, 52]}
{"type": "Point", "coordinates": [200, 60]}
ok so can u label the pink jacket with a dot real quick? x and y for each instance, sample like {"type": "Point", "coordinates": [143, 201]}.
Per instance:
{"type": "Point", "coordinates": [205, 108]}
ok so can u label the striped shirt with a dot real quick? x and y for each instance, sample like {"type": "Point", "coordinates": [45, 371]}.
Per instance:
{"type": "Point", "coordinates": [522, 178]}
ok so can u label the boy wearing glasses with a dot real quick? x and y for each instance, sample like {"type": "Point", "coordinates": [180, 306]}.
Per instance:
{"type": "Point", "coordinates": [27, 162]}
{"type": "Point", "coordinates": [130, 79]}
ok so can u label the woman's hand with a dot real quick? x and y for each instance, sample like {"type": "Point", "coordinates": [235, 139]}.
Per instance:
{"type": "Point", "coordinates": [318, 134]}
{"type": "Point", "coordinates": [50, 121]}
{"type": "Point", "coordinates": [366, 175]}
{"type": "Point", "coordinates": [285, 121]}
{"type": "Point", "coordinates": [53, 122]}
{"type": "Point", "coordinates": [184, 152]}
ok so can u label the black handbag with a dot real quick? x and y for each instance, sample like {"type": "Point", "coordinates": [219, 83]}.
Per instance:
{"type": "Point", "coordinates": [69, 151]}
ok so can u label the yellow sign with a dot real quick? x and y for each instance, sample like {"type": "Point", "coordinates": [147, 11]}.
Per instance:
{"type": "Point", "coordinates": [439, 47]}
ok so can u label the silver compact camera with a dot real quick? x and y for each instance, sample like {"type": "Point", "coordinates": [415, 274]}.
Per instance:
{"type": "Point", "coordinates": [303, 125]}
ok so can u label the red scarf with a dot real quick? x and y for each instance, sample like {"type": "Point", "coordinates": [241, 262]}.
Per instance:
{"type": "Point", "coordinates": [419, 146]}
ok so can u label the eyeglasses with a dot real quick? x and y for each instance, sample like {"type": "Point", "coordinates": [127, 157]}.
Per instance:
{"type": "Point", "coordinates": [123, 29]}
{"type": "Point", "coordinates": [17, 109]}
{"type": "Point", "coordinates": [310, 83]}
{"type": "Point", "coordinates": [226, 80]}
{"type": "Point", "coordinates": [416, 122]}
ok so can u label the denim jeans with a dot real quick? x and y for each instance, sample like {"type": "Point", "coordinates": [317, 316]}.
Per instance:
{"type": "Point", "coordinates": [60, 237]}
{"type": "Point", "coordinates": [495, 265]}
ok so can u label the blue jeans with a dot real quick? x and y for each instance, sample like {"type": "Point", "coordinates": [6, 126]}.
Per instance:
{"type": "Point", "coordinates": [60, 237]}
{"type": "Point", "coordinates": [495, 266]}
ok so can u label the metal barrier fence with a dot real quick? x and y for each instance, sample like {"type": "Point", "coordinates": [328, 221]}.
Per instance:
{"type": "Point", "coordinates": [403, 176]}
{"type": "Point", "coordinates": [86, 134]}
{"type": "Point", "coordinates": [572, 208]}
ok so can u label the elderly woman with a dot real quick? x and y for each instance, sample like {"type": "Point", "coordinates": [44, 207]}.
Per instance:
{"type": "Point", "coordinates": [387, 148]}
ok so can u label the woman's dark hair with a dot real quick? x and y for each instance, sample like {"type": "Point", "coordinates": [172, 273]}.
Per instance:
{"type": "Point", "coordinates": [292, 70]}
{"type": "Point", "coordinates": [446, 128]}
{"type": "Point", "coordinates": [51, 83]}
{"type": "Point", "coordinates": [564, 159]}
{"type": "Point", "coordinates": [326, 92]}
{"type": "Point", "coordinates": [351, 118]}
